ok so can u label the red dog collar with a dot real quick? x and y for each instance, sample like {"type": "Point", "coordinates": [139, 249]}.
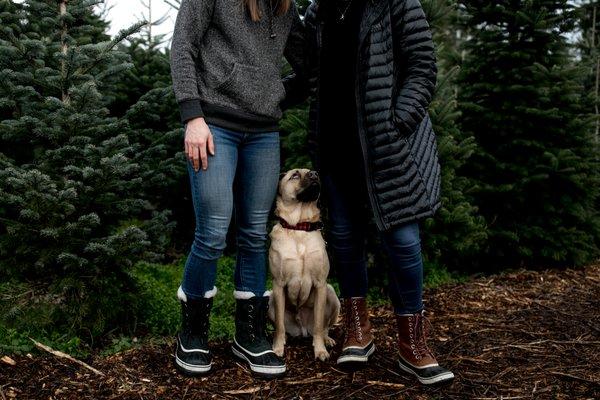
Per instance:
{"type": "Point", "coordinates": [302, 226]}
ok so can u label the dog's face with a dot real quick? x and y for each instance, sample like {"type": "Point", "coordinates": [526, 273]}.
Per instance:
{"type": "Point", "coordinates": [300, 185]}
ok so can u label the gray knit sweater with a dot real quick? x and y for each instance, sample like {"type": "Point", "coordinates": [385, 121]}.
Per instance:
{"type": "Point", "coordinates": [227, 68]}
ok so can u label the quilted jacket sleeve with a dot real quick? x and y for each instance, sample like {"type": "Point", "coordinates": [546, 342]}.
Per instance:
{"type": "Point", "coordinates": [413, 47]}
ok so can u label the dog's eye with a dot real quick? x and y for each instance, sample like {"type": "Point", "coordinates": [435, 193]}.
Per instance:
{"type": "Point", "coordinates": [295, 176]}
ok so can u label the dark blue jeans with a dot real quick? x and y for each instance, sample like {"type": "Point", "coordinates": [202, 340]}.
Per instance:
{"type": "Point", "coordinates": [242, 177]}
{"type": "Point", "coordinates": [349, 214]}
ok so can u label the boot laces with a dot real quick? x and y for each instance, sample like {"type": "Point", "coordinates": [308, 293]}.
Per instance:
{"type": "Point", "coordinates": [257, 322]}
{"type": "Point", "coordinates": [197, 323]}
{"type": "Point", "coordinates": [353, 326]}
{"type": "Point", "coordinates": [419, 328]}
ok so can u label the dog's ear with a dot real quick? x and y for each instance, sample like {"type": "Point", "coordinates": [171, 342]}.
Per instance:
{"type": "Point", "coordinates": [281, 175]}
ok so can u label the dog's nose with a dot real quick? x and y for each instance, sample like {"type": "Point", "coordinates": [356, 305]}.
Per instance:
{"type": "Point", "coordinates": [313, 174]}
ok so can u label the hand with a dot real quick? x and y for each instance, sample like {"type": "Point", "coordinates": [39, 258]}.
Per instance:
{"type": "Point", "coordinates": [198, 143]}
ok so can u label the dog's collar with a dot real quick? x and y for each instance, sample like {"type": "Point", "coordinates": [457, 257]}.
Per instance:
{"type": "Point", "coordinates": [302, 226]}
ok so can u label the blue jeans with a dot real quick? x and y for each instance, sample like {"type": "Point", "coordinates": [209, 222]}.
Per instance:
{"type": "Point", "coordinates": [349, 213]}
{"type": "Point", "coordinates": [242, 176]}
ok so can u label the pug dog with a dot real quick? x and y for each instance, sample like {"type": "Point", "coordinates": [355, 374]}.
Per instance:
{"type": "Point", "coordinates": [302, 303]}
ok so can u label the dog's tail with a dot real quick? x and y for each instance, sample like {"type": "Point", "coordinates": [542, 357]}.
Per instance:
{"type": "Point", "coordinates": [298, 290]}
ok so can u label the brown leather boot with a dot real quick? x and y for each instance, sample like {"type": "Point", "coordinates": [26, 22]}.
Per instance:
{"type": "Point", "coordinates": [416, 357]}
{"type": "Point", "coordinates": [358, 338]}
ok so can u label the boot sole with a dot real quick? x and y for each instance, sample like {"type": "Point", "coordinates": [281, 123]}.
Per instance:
{"type": "Point", "coordinates": [356, 360]}
{"type": "Point", "coordinates": [260, 370]}
{"type": "Point", "coordinates": [191, 369]}
{"type": "Point", "coordinates": [441, 379]}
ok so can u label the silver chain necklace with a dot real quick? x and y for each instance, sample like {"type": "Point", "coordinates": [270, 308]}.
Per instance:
{"type": "Point", "coordinates": [342, 14]}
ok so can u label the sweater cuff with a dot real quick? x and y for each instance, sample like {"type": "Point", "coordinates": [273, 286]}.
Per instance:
{"type": "Point", "coordinates": [190, 109]}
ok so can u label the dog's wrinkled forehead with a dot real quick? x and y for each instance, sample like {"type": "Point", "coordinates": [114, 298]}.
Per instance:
{"type": "Point", "coordinates": [291, 183]}
{"type": "Point", "coordinates": [294, 174]}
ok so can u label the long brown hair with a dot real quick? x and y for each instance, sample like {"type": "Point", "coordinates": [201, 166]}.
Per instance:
{"type": "Point", "coordinates": [255, 12]}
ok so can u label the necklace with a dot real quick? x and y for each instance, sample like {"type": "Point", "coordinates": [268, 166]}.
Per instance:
{"type": "Point", "coordinates": [272, 6]}
{"type": "Point", "coordinates": [342, 14]}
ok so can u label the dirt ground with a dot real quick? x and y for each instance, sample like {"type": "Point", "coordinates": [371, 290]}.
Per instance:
{"type": "Point", "coordinates": [514, 336]}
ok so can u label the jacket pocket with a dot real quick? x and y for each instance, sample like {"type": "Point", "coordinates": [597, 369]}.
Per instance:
{"type": "Point", "coordinates": [257, 90]}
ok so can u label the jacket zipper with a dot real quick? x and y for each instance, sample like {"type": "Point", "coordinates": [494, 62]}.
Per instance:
{"type": "Point", "coordinates": [374, 204]}
{"type": "Point", "coordinates": [318, 94]}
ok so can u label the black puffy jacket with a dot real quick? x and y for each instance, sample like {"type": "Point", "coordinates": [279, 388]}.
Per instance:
{"type": "Point", "coordinates": [395, 84]}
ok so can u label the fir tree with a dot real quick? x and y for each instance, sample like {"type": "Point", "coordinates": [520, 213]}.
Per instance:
{"type": "Point", "coordinates": [158, 131]}
{"type": "Point", "coordinates": [535, 173]}
{"type": "Point", "coordinates": [456, 233]}
{"type": "Point", "coordinates": [74, 212]}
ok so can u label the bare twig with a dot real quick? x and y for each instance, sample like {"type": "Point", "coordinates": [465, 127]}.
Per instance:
{"type": "Point", "coordinates": [60, 354]}
{"type": "Point", "coordinates": [579, 378]}
{"type": "Point", "coordinates": [388, 384]}
{"type": "Point", "coordinates": [246, 391]}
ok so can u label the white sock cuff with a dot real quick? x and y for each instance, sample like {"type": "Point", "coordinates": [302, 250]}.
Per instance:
{"type": "Point", "coordinates": [181, 295]}
{"type": "Point", "coordinates": [243, 295]}
{"type": "Point", "coordinates": [207, 295]}
{"type": "Point", "coordinates": [211, 293]}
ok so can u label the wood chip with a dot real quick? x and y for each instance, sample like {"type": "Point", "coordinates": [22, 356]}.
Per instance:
{"type": "Point", "coordinates": [8, 360]}
{"type": "Point", "coordinates": [388, 384]}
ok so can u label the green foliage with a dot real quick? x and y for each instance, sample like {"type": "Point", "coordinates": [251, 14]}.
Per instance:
{"type": "Point", "coordinates": [145, 97]}
{"type": "Point", "coordinates": [534, 175]}
{"type": "Point", "coordinates": [73, 197]}
{"type": "Point", "coordinates": [294, 129]}
{"type": "Point", "coordinates": [457, 232]}
{"type": "Point", "coordinates": [159, 306]}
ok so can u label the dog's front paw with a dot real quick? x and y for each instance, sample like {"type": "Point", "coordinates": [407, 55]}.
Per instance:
{"type": "Point", "coordinates": [278, 350]}
{"type": "Point", "coordinates": [278, 346]}
{"type": "Point", "coordinates": [321, 354]}
{"type": "Point", "coordinates": [329, 342]}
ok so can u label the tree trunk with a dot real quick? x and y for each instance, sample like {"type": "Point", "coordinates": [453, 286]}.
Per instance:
{"type": "Point", "coordinates": [64, 50]}
{"type": "Point", "coordinates": [597, 84]}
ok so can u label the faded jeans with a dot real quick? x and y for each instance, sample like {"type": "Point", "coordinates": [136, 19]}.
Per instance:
{"type": "Point", "coordinates": [242, 177]}
{"type": "Point", "coordinates": [349, 213]}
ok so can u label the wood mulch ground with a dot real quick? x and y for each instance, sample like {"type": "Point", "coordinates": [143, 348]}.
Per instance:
{"type": "Point", "coordinates": [520, 335]}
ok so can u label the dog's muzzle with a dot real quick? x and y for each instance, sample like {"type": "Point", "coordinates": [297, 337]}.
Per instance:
{"type": "Point", "coordinates": [311, 189]}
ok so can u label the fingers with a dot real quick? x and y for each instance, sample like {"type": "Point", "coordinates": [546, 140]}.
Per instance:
{"type": "Point", "coordinates": [199, 144]}
{"type": "Point", "coordinates": [195, 158]}
{"type": "Point", "coordinates": [211, 145]}
{"type": "Point", "coordinates": [203, 156]}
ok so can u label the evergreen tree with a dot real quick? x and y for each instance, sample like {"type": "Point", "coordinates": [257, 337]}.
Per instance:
{"type": "Point", "coordinates": [74, 211]}
{"type": "Point", "coordinates": [535, 172]}
{"type": "Point", "coordinates": [456, 233]}
{"type": "Point", "coordinates": [157, 128]}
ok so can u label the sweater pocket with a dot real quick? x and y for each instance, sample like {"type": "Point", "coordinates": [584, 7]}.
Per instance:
{"type": "Point", "coordinates": [253, 89]}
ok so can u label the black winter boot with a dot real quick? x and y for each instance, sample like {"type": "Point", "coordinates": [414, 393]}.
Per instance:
{"type": "Point", "coordinates": [192, 356]}
{"type": "Point", "coordinates": [251, 344]}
